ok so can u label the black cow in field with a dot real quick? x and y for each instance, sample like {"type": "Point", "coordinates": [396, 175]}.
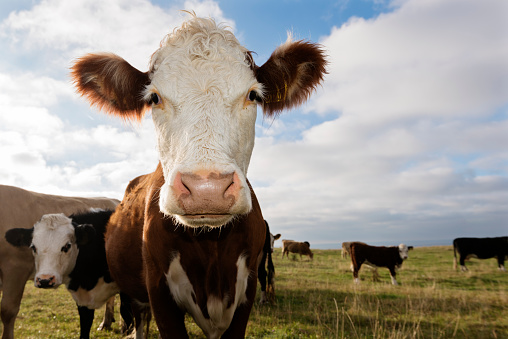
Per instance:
{"type": "Point", "coordinates": [267, 292]}
{"type": "Point", "coordinates": [377, 256]}
{"type": "Point", "coordinates": [70, 251]}
{"type": "Point", "coordinates": [480, 248]}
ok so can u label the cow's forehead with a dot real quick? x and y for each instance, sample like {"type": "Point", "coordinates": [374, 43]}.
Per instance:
{"type": "Point", "coordinates": [201, 58]}
{"type": "Point", "coordinates": [53, 228]}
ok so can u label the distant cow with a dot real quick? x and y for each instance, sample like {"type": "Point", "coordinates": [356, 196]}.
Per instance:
{"type": "Point", "coordinates": [267, 292]}
{"type": "Point", "coordinates": [481, 248]}
{"type": "Point", "coordinates": [377, 256]}
{"type": "Point", "coordinates": [195, 224]}
{"type": "Point", "coordinates": [21, 208]}
{"type": "Point", "coordinates": [301, 248]}
{"type": "Point", "coordinates": [70, 251]}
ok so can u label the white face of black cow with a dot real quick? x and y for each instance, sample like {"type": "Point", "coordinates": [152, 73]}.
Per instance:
{"type": "Point", "coordinates": [203, 93]}
{"type": "Point", "coordinates": [272, 240]}
{"type": "Point", "coordinates": [403, 251]}
{"type": "Point", "coordinates": [54, 249]}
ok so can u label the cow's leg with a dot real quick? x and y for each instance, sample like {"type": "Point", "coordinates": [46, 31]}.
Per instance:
{"type": "Point", "coordinates": [262, 278]}
{"type": "Point", "coordinates": [14, 281]}
{"type": "Point", "coordinates": [462, 262]}
{"type": "Point", "coordinates": [109, 315]}
{"type": "Point", "coordinates": [126, 312]}
{"type": "Point", "coordinates": [168, 316]}
{"type": "Point", "coordinates": [239, 323]}
{"type": "Point", "coordinates": [356, 268]}
{"type": "Point", "coordinates": [392, 275]}
{"type": "Point", "coordinates": [85, 321]}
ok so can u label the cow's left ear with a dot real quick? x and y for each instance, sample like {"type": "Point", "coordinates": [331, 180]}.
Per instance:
{"type": "Point", "coordinates": [84, 234]}
{"type": "Point", "coordinates": [292, 73]}
{"type": "Point", "coordinates": [19, 237]}
{"type": "Point", "coordinates": [277, 236]}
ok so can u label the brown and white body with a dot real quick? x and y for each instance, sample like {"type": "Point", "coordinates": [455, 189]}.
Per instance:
{"type": "Point", "coordinates": [301, 248]}
{"type": "Point", "coordinates": [346, 249]}
{"type": "Point", "coordinates": [189, 236]}
{"type": "Point", "coordinates": [378, 256]}
{"type": "Point", "coordinates": [22, 209]}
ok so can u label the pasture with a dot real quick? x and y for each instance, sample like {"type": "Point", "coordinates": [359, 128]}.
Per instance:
{"type": "Point", "coordinates": [318, 299]}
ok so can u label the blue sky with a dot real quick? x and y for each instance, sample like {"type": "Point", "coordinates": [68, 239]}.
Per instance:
{"type": "Point", "coordinates": [405, 141]}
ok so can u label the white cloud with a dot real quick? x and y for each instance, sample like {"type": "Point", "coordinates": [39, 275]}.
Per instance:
{"type": "Point", "coordinates": [132, 29]}
{"type": "Point", "coordinates": [416, 89]}
{"type": "Point", "coordinates": [414, 151]}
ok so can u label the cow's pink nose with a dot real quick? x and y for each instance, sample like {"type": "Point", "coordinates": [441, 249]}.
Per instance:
{"type": "Point", "coordinates": [45, 281]}
{"type": "Point", "coordinates": [206, 193]}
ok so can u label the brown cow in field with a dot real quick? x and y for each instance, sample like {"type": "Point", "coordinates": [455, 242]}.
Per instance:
{"type": "Point", "coordinates": [291, 246]}
{"type": "Point", "coordinates": [22, 209]}
{"type": "Point", "coordinates": [187, 238]}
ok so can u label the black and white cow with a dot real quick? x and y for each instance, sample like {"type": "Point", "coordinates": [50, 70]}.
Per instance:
{"type": "Point", "coordinates": [70, 251]}
{"type": "Point", "coordinates": [481, 248]}
{"type": "Point", "coordinates": [266, 260]}
{"type": "Point", "coordinates": [377, 256]}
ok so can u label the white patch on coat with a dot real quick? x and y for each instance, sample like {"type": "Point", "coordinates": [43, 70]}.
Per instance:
{"type": "Point", "coordinates": [96, 297]}
{"type": "Point", "coordinates": [50, 235]}
{"type": "Point", "coordinates": [204, 120]}
{"type": "Point", "coordinates": [220, 315]}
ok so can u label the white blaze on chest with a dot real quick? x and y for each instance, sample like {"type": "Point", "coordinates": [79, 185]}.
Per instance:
{"type": "Point", "coordinates": [220, 314]}
{"type": "Point", "coordinates": [96, 297]}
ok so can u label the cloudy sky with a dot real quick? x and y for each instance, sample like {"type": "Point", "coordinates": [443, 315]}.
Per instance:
{"type": "Point", "coordinates": [405, 142]}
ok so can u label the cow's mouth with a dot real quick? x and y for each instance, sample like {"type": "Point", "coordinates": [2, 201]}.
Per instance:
{"type": "Point", "coordinates": [200, 220]}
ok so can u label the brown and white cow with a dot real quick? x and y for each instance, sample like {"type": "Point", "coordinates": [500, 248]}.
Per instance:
{"type": "Point", "coordinates": [377, 256]}
{"type": "Point", "coordinates": [187, 237]}
{"type": "Point", "coordinates": [291, 246]}
{"type": "Point", "coordinates": [22, 208]}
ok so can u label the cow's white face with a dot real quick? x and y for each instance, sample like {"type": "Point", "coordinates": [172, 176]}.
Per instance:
{"type": "Point", "coordinates": [54, 249]}
{"type": "Point", "coordinates": [403, 251]}
{"type": "Point", "coordinates": [203, 87]}
{"type": "Point", "coordinates": [203, 93]}
{"type": "Point", "coordinates": [272, 240]}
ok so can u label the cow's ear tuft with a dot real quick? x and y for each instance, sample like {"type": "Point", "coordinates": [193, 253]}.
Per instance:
{"type": "Point", "coordinates": [276, 237]}
{"type": "Point", "coordinates": [290, 75]}
{"type": "Point", "coordinates": [19, 237]}
{"type": "Point", "coordinates": [84, 234]}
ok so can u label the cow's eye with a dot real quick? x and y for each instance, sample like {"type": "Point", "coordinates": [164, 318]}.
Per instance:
{"type": "Point", "coordinates": [155, 99]}
{"type": "Point", "coordinates": [32, 247]}
{"type": "Point", "coordinates": [253, 96]}
{"type": "Point", "coordinates": [66, 248]}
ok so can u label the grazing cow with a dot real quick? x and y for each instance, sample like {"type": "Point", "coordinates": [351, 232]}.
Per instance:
{"type": "Point", "coordinates": [480, 248]}
{"type": "Point", "coordinates": [70, 251]}
{"type": "Point", "coordinates": [267, 292]}
{"type": "Point", "coordinates": [187, 238]}
{"type": "Point", "coordinates": [377, 256]}
{"type": "Point", "coordinates": [21, 208]}
{"type": "Point", "coordinates": [291, 246]}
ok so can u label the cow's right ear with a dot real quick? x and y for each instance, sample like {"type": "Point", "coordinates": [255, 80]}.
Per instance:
{"type": "Point", "coordinates": [19, 237]}
{"type": "Point", "coordinates": [290, 75]}
{"type": "Point", "coordinates": [111, 84]}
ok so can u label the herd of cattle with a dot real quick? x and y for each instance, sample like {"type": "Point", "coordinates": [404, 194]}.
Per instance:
{"type": "Point", "coordinates": [190, 236]}
{"type": "Point", "coordinates": [54, 249]}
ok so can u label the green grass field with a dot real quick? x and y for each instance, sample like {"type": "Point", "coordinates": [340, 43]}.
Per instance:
{"type": "Point", "coordinates": [318, 299]}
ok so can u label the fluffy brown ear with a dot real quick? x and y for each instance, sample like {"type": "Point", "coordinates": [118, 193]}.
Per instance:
{"type": "Point", "coordinates": [292, 73]}
{"type": "Point", "coordinates": [111, 84]}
